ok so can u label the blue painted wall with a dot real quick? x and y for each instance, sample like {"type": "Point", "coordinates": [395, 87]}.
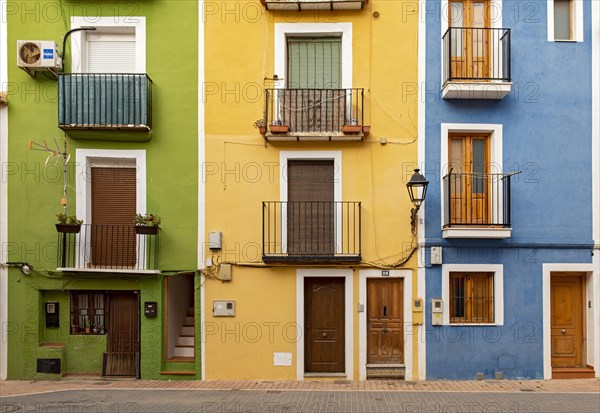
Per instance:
{"type": "Point", "coordinates": [547, 135]}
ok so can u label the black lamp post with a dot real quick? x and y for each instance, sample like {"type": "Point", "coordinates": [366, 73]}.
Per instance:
{"type": "Point", "coordinates": [417, 189]}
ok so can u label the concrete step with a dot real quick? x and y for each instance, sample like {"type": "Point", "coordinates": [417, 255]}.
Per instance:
{"type": "Point", "coordinates": [181, 351]}
{"type": "Point", "coordinates": [189, 321]}
{"type": "Point", "coordinates": [185, 341]}
{"type": "Point", "coordinates": [190, 311]}
{"type": "Point", "coordinates": [187, 331]}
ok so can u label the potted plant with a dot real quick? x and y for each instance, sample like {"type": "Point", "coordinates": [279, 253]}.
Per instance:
{"type": "Point", "coordinates": [351, 126]}
{"type": "Point", "coordinates": [74, 329]}
{"type": "Point", "coordinates": [261, 126]}
{"type": "Point", "coordinates": [66, 224]}
{"type": "Point", "coordinates": [147, 224]}
{"type": "Point", "coordinates": [366, 130]}
{"type": "Point", "coordinates": [278, 127]}
{"type": "Point", "coordinates": [87, 327]}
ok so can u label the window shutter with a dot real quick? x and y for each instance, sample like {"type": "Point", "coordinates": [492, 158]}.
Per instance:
{"type": "Point", "coordinates": [114, 53]}
{"type": "Point", "coordinates": [315, 63]}
{"type": "Point", "coordinates": [113, 196]}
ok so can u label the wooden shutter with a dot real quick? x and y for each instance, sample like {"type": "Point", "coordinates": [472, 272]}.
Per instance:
{"type": "Point", "coordinates": [314, 63]}
{"type": "Point", "coordinates": [113, 215]}
{"type": "Point", "coordinates": [111, 53]}
{"type": "Point", "coordinates": [311, 207]}
{"type": "Point", "coordinates": [123, 343]}
{"type": "Point", "coordinates": [472, 297]}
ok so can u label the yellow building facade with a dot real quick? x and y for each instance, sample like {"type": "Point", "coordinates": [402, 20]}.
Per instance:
{"type": "Point", "coordinates": [310, 138]}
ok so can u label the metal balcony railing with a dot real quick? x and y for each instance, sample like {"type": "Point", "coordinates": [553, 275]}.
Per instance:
{"type": "Point", "coordinates": [108, 247]}
{"type": "Point", "coordinates": [311, 231]}
{"type": "Point", "coordinates": [476, 54]}
{"type": "Point", "coordinates": [105, 101]}
{"type": "Point", "coordinates": [315, 111]}
{"type": "Point", "coordinates": [314, 4]}
{"type": "Point", "coordinates": [476, 200]}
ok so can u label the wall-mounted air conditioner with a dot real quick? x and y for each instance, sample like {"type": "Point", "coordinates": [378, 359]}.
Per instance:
{"type": "Point", "coordinates": [38, 56]}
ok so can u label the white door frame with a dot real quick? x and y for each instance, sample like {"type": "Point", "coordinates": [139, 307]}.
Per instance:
{"type": "Point", "coordinates": [348, 319]}
{"type": "Point", "coordinates": [408, 331]}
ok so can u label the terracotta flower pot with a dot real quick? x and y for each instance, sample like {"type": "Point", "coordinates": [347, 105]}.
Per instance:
{"type": "Point", "coordinates": [366, 130]}
{"type": "Point", "coordinates": [262, 130]}
{"type": "Point", "coordinates": [279, 128]}
{"type": "Point", "coordinates": [351, 128]}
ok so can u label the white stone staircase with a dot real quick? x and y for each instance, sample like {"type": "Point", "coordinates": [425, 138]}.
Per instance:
{"type": "Point", "coordinates": [186, 341]}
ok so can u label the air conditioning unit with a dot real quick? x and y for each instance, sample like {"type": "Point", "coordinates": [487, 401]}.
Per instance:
{"type": "Point", "coordinates": [38, 56]}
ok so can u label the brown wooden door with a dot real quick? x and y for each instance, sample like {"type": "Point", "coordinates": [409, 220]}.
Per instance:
{"type": "Point", "coordinates": [385, 317]}
{"type": "Point", "coordinates": [112, 239]}
{"type": "Point", "coordinates": [566, 313]}
{"type": "Point", "coordinates": [324, 325]}
{"type": "Point", "coordinates": [310, 207]}
{"type": "Point", "coordinates": [469, 161]}
{"type": "Point", "coordinates": [123, 338]}
{"type": "Point", "coordinates": [470, 47]}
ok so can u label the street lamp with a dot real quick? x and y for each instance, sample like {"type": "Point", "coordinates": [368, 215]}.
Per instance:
{"type": "Point", "coordinates": [417, 189]}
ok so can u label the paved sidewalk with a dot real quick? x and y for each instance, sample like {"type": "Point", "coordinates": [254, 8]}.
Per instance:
{"type": "Point", "coordinates": [14, 388]}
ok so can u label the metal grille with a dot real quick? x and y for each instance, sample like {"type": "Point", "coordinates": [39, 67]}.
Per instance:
{"type": "Point", "coordinates": [88, 310]}
{"type": "Point", "coordinates": [471, 297]}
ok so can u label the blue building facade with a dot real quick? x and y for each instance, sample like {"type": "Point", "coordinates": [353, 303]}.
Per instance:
{"type": "Point", "coordinates": [509, 151]}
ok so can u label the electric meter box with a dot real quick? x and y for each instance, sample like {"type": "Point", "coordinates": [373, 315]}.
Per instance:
{"type": "Point", "coordinates": [437, 311]}
{"type": "Point", "coordinates": [224, 308]}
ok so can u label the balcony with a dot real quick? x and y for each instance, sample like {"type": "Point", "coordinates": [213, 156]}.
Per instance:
{"type": "Point", "coordinates": [108, 248]}
{"type": "Point", "coordinates": [311, 232]}
{"type": "Point", "coordinates": [476, 205]}
{"type": "Point", "coordinates": [314, 115]}
{"type": "Point", "coordinates": [314, 4]}
{"type": "Point", "coordinates": [476, 63]}
{"type": "Point", "coordinates": [116, 107]}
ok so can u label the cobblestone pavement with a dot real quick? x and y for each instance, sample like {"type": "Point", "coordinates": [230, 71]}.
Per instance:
{"type": "Point", "coordinates": [280, 401]}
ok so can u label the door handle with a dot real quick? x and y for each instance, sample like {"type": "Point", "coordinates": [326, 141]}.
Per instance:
{"type": "Point", "coordinates": [385, 330]}
{"type": "Point", "coordinates": [324, 335]}
{"type": "Point", "coordinates": [563, 331]}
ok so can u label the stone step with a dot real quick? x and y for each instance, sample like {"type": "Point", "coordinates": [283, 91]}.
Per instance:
{"type": "Point", "coordinates": [385, 371]}
{"type": "Point", "coordinates": [189, 321]}
{"type": "Point", "coordinates": [185, 341]}
{"type": "Point", "coordinates": [181, 351]}
{"type": "Point", "coordinates": [187, 331]}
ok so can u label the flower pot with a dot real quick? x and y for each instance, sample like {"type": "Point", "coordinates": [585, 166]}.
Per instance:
{"type": "Point", "coordinates": [262, 130]}
{"type": "Point", "coordinates": [366, 130]}
{"type": "Point", "coordinates": [146, 229]}
{"type": "Point", "coordinates": [279, 128]}
{"type": "Point", "coordinates": [86, 330]}
{"type": "Point", "coordinates": [351, 128]}
{"type": "Point", "coordinates": [68, 228]}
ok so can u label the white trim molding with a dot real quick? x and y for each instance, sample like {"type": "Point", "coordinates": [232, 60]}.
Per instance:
{"type": "Point", "coordinates": [348, 316]}
{"type": "Point", "coordinates": [592, 314]}
{"type": "Point", "coordinates": [495, 166]}
{"type": "Point", "coordinates": [577, 23]}
{"type": "Point", "coordinates": [136, 24]}
{"type": "Point", "coordinates": [3, 192]}
{"type": "Point", "coordinates": [497, 269]}
{"type": "Point", "coordinates": [409, 330]}
{"type": "Point", "coordinates": [283, 30]}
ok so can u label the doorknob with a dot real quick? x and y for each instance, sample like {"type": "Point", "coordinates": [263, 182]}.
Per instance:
{"type": "Point", "coordinates": [563, 331]}
{"type": "Point", "coordinates": [385, 330]}
{"type": "Point", "coordinates": [324, 335]}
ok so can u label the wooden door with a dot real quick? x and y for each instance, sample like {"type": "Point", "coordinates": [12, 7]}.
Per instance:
{"type": "Point", "coordinates": [470, 41]}
{"type": "Point", "coordinates": [324, 325]}
{"type": "Point", "coordinates": [385, 317]}
{"type": "Point", "coordinates": [123, 339]}
{"type": "Point", "coordinates": [469, 182]}
{"type": "Point", "coordinates": [567, 320]}
{"type": "Point", "coordinates": [310, 207]}
{"type": "Point", "coordinates": [112, 239]}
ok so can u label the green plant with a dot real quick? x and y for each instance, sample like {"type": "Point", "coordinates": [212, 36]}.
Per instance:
{"type": "Point", "coordinates": [64, 219]}
{"type": "Point", "coordinates": [148, 220]}
{"type": "Point", "coordinates": [260, 123]}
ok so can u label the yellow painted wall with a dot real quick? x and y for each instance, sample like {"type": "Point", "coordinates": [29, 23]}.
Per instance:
{"type": "Point", "coordinates": [242, 171]}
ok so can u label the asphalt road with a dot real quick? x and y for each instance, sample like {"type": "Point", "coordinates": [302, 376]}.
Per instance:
{"type": "Point", "coordinates": [275, 401]}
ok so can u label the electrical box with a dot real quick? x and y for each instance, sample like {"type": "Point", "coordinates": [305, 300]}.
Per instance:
{"type": "Point", "coordinates": [418, 311]}
{"type": "Point", "coordinates": [224, 308]}
{"type": "Point", "coordinates": [151, 309]}
{"type": "Point", "coordinates": [436, 255]}
{"type": "Point", "coordinates": [224, 273]}
{"type": "Point", "coordinates": [436, 311]}
{"type": "Point", "coordinates": [52, 316]}
{"type": "Point", "coordinates": [215, 240]}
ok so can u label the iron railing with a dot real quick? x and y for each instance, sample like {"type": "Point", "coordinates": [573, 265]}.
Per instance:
{"type": "Point", "coordinates": [311, 231]}
{"type": "Point", "coordinates": [476, 199]}
{"type": "Point", "coordinates": [293, 5]}
{"type": "Point", "coordinates": [476, 54]}
{"type": "Point", "coordinates": [314, 111]}
{"type": "Point", "coordinates": [105, 101]}
{"type": "Point", "coordinates": [108, 247]}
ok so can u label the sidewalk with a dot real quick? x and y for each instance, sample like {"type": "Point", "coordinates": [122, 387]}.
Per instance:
{"type": "Point", "coordinates": [15, 388]}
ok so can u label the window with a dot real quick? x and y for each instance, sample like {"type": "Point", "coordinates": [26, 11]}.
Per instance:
{"type": "Point", "coordinates": [471, 297]}
{"type": "Point", "coordinates": [565, 20]}
{"type": "Point", "coordinates": [88, 311]}
{"type": "Point", "coordinates": [314, 63]}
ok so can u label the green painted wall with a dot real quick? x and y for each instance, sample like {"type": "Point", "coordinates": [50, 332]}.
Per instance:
{"type": "Point", "coordinates": [34, 190]}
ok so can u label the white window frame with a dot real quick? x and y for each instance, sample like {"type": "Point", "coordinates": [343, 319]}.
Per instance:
{"type": "Point", "coordinates": [115, 24]}
{"type": "Point", "coordinates": [577, 23]}
{"type": "Point", "coordinates": [88, 158]}
{"type": "Point", "coordinates": [284, 157]}
{"type": "Point", "coordinates": [497, 269]}
{"type": "Point", "coordinates": [284, 30]}
{"type": "Point", "coordinates": [495, 133]}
